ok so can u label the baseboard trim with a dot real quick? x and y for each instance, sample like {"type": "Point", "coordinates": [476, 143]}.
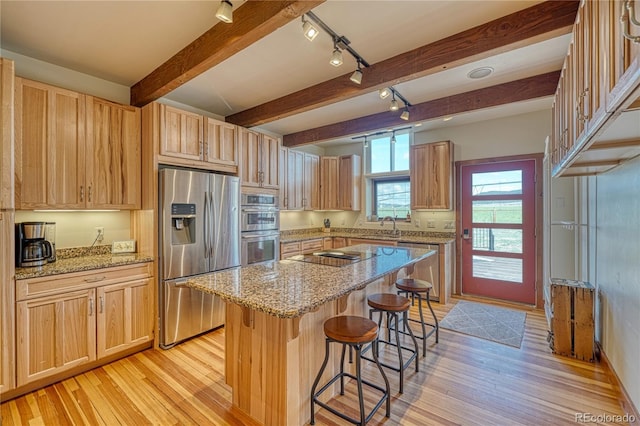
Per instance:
{"type": "Point", "coordinates": [625, 402]}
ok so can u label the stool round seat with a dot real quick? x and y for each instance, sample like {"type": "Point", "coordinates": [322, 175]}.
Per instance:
{"type": "Point", "coordinates": [389, 302]}
{"type": "Point", "coordinates": [351, 329]}
{"type": "Point", "coordinates": [413, 285]}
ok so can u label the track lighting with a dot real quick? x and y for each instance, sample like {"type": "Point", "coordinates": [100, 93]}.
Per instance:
{"type": "Point", "coordinates": [394, 104]}
{"type": "Point", "coordinates": [310, 32]}
{"type": "Point", "coordinates": [225, 12]}
{"type": "Point", "coordinates": [384, 93]}
{"type": "Point", "coordinates": [393, 137]}
{"type": "Point", "coordinates": [356, 77]}
{"type": "Point", "coordinates": [336, 57]}
{"type": "Point", "coordinates": [405, 114]}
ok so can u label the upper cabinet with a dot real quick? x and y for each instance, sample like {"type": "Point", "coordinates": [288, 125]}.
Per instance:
{"type": "Point", "coordinates": [74, 151]}
{"type": "Point", "coordinates": [113, 155]}
{"type": "Point", "coordinates": [311, 182]}
{"type": "Point", "coordinates": [300, 189]}
{"type": "Point", "coordinates": [349, 176]}
{"type": "Point", "coordinates": [597, 100]}
{"type": "Point", "coordinates": [260, 154]}
{"type": "Point", "coordinates": [220, 142]}
{"type": "Point", "coordinates": [431, 175]}
{"type": "Point", "coordinates": [329, 167]}
{"type": "Point", "coordinates": [181, 134]}
{"type": "Point", "coordinates": [7, 82]}
{"type": "Point", "coordinates": [283, 155]}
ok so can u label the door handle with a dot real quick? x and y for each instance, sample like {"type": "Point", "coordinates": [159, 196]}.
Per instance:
{"type": "Point", "coordinates": [465, 234]}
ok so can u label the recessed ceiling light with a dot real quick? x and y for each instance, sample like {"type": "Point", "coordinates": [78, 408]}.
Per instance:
{"type": "Point", "coordinates": [481, 72]}
{"type": "Point", "coordinates": [448, 118]}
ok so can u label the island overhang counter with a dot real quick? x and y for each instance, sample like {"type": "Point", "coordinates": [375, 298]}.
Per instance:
{"type": "Point", "coordinates": [275, 312]}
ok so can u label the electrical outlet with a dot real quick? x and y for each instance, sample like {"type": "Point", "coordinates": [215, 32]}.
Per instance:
{"type": "Point", "coordinates": [99, 233]}
{"type": "Point", "coordinates": [431, 224]}
{"type": "Point", "coordinates": [448, 225]}
{"type": "Point", "coordinates": [126, 246]}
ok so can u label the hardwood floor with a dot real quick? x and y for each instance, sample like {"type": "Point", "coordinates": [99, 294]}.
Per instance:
{"type": "Point", "coordinates": [462, 380]}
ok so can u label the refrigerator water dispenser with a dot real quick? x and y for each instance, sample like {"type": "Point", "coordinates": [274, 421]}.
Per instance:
{"type": "Point", "coordinates": [183, 221]}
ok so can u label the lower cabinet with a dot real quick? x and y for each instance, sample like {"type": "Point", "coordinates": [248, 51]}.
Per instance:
{"type": "Point", "coordinates": [68, 320]}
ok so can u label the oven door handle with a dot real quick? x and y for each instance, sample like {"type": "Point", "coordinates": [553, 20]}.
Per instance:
{"type": "Point", "coordinates": [261, 210]}
{"type": "Point", "coordinates": [250, 236]}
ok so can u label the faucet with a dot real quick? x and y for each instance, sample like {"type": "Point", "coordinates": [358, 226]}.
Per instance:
{"type": "Point", "coordinates": [396, 232]}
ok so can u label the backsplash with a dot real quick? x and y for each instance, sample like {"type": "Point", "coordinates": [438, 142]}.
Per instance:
{"type": "Point", "coordinates": [68, 253]}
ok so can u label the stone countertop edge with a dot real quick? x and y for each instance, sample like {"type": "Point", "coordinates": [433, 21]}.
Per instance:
{"type": "Point", "coordinates": [81, 263]}
{"type": "Point", "coordinates": [402, 239]}
{"type": "Point", "coordinates": [289, 289]}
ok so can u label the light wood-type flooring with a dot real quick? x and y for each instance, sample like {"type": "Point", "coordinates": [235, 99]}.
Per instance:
{"type": "Point", "coordinates": [463, 380]}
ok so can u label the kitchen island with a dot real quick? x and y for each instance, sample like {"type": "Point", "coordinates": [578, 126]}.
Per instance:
{"type": "Point", "coordinates": [274, 338]}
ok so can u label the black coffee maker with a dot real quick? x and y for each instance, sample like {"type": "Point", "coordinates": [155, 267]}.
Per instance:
{"type": "Point", "coordinates": [31, 247]}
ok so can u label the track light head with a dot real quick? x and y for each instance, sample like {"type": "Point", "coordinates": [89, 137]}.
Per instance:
{"type": "Point", "coordinates": [310, 31]}
{"type": "Point", "coordinates": [393, 137]}
{"type": "Point", "coordinates": [225, 12]}
{"type": "Point", "coordinates": [405, 114]}
{"type": "Point", "coordinates": [356, 77]}
{"type": "Point", "coordinates": [384, 93]}
{"type": "Point", "coordinates": [394, 104]}
{"type": "Point", "coordinates": [336, 57]}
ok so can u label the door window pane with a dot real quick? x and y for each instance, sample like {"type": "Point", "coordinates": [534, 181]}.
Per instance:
{"type": "Point", "coordinates": [496, 211]}
{"type": "Point", "coordinates": [501, 240]}
{"type": "Point", "coordinates": [497, 183]}
{"type": "Point", "coordinates": [497, 268]}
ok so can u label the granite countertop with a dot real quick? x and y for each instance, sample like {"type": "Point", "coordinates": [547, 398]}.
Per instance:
{"type": "Point", "coordinates": [68, 263]}
{"type": "Point", "coordinates": [290, 288]}
{"type": "Point", "coordinates": [405, 236]}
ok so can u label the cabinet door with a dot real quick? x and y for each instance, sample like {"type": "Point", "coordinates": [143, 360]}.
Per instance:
{"type": "Point", "coordinates": [295, 176]}
{"type": "Point", "coordinates": [269, 153]}
{"type": "Point", "coordinates": [283, 169]}
{"type": "Point", "coordinates": [220, 143]}
{"type": "Point", "coordinates": [113, 155]}
{"type": "Point", "coordinates": [49, 146]}
{"type": "Point", "coordinates": [7, 303]}
{"type": "Point", "coordinates": [339, 242]}
{"type": "Point", "coordinates": [181, 133]}
{"type": "Point", "coordinates": [329, 175]}
{"type": "Point", "coordinates": [7, 84]}
{"type": "Point", "coordinates": [349, 183]}
{"type": "Point", "coordinates": [250, 164]}
{"type": "Point", "coordinates": [430, 174]}
{"type": "Point", "coordinates": [124, 316]}
{"type": "Point", "coordinates": [55, 334]}
{"type": "Point", "coordinates": [311, 182]}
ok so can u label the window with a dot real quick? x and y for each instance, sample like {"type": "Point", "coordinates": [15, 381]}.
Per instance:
{"type": "Point", "coordinates": [388, 168]}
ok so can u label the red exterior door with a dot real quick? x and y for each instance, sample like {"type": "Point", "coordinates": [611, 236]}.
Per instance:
{"type": "Point", "coordinates": [498, 228]}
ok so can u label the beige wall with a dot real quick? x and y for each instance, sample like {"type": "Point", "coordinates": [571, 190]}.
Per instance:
{"type": "Point", "coordinates": [618, 271]}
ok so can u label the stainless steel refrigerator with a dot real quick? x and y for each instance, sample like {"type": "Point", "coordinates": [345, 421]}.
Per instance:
{"type": "Point", "coordinates": [199, 233]}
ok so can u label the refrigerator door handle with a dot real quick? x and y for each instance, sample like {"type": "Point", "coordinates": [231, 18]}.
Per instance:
{"type": "Point", "coordinates": [206, 225]}
{"type": "Point", "coordinates": [210, 228]}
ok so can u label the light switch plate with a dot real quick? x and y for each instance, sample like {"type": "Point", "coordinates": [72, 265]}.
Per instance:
{"type": "Point", "coordinates": [125, 246]}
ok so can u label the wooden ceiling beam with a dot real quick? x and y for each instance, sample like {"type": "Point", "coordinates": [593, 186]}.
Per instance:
{"type": "Point", "coordinates": [502, 94]}
{"type": "Point", "coordinates": [252, 21]}
{"type": "Point", "coordinates": [537, 23]}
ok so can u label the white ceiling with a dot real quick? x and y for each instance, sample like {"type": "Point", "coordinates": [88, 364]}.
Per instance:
{"type": "Point", "coordinates": [123, 41]}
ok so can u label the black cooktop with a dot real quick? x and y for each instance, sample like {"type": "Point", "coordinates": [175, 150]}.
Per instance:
{"type": "Point", "coordinates": [333, 257]}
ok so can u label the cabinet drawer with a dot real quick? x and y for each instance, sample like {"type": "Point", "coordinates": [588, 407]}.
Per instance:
{"type": "Point", "coordinates": [289, 249]}
{"type": "Point", "coordinates": [312, 245]}
{"type": "Point", "coordinates": [54, 284]}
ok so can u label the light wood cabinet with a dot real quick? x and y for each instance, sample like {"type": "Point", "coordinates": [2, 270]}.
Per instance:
{"type": "Point", "coordinates": [112, 155]}
{"type": "Point", "coordinates": [329, 182]}
{"type": "Point", "coordinates": [49, 147]}
{"type": "Point", "coordinates": [349, 182]}
{"type": "Point", "coordinates": [124, 316]}
{"type": "Point", "coordinates": [295, 177]}
{"type": "Point", "coordinates": [327, 243]}
{"type": "Point", "coordinates": [181, 133]}
{"type": "Point", "coordinates": [431, 175]}
{"type": "Point", "coordinates": [220, 142]}
{"type": "Point", "coordinates": [260, 154]}
{"type": "Point", "coordinates": [54, 334]}
{"type": "Point", "coordinates": [7, 302]}
{"type": "Point", "coordinates": [309, 246]}
{"type": "Point", "coordinates": [66, 321]}
{"type": "Point", "coordinates": [311, 182]}
{"type": "Point", "coordinates": [7, 83]}
{"type": "Point", "coordinates": [283, 171]}
{"type": "Point", "coordinates": [74, 151]}
{"type": "Point", "coordinates": [290, 249]}
{"type": "Point", "coordinates": [339, 242]}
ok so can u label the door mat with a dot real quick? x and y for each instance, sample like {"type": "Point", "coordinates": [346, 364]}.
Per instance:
{"type": "Point", "coordinates": [487, 322]}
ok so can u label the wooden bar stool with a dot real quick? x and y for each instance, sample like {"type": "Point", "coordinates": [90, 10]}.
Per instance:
{"type": "Point", "coordinates": [392, 305]}
{"type": "Point", "coordinates": [355, 332]}
{"type": "Point", "coordinates": [416, 288]}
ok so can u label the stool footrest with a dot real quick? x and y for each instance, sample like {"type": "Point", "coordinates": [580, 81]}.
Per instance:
{"type": "Point", "coordinates": [392, 367]}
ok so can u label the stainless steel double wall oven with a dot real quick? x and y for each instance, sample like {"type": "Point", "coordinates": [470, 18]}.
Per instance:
{"type": "Point", "coordinates": [260, 228]}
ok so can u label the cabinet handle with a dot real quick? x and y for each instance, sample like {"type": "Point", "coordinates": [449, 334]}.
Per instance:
{"type": "Point", "coordinates": [95, 279]}
{"type": "Point", "coordinates": [582, 117]}
{"type": "Point", "coordinates": [101, 304]}
{"type": "Point", "coordinates": [91, 306]}
{"type": "Point", "coordinates": [200, 145]}
{"type": "Point", "coordinates": [89, 193]}
{"type": "Point", "coordinates": [81, 193]}
{"type": "Point", "coordinates": [628, 14]}
{"type": "Point", "coordinates": [206, 150]}
{"type": "Point", "coordinates": [286, 202]}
